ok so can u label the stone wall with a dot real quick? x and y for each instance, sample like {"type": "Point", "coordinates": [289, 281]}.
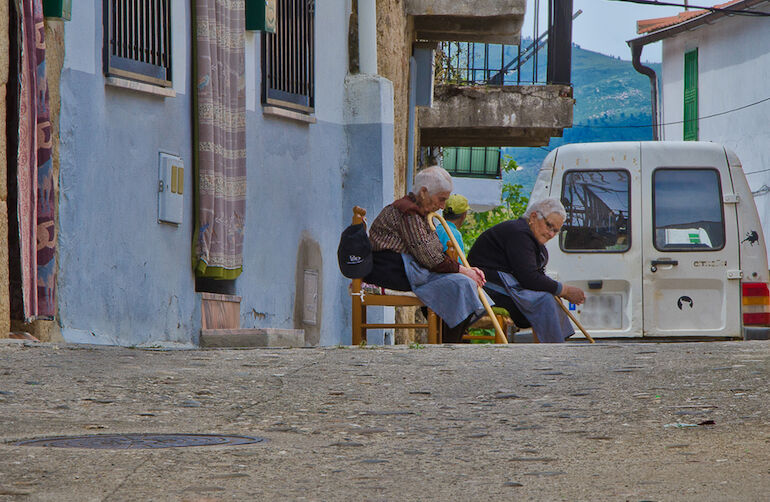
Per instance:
{"type": "Point", "coordinates": [395, 34]}
{"type": "Point", "coordinates": [5, 305]}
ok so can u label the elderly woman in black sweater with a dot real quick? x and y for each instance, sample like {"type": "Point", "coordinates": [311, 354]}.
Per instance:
{"type": "Point", "coordinates": [513, 257]}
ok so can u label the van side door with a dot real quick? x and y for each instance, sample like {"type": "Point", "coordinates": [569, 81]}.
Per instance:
{"type": "Point", "coordinates": [599, 246]}
{"type": "Point", "coordinates": [690, 263]}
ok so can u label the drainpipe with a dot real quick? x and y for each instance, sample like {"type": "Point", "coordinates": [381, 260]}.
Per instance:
{"type": "Point", "coordinates": [636, 53]}
{"type": "Point", "coordinates": [367, 36]}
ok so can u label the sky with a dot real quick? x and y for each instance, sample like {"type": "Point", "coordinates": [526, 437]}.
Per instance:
{"type": "Point", "coordinates": [605, 25]}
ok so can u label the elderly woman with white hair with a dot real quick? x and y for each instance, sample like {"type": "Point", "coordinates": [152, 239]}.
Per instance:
{"type": "Point", "coordinates": [408, 255]}
{"type": "Point", "coordinates": [513, 256]}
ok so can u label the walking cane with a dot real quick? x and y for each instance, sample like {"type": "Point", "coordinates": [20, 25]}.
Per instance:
{"type": "Point", "coordinates": [577, 323]}
{"type": "Point", "coordinates": [499, 335]}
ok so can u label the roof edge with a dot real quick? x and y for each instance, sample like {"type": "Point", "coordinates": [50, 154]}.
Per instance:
{"type": "Point", "coordinates": [689, 21]}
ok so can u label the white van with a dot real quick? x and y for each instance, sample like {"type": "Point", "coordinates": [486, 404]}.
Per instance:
{"type": "Point", "coordinates": [664, 238]}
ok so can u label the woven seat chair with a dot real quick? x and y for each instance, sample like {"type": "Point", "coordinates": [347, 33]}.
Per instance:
{"type": "Point", "coordinates": [364, 297]}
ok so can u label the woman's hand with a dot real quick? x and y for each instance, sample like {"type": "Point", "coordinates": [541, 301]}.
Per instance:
{"type": "Point", "coordinates": [474, 273]}
{"type": "Point", "coordinates": [573, 294]}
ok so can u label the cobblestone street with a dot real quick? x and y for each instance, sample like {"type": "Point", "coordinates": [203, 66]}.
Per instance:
{"type": "Point", "coordinates": [611, 421]}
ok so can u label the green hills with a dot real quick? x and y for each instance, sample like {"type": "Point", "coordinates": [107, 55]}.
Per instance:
{"type": "Point", "coordinates": [612, 103]}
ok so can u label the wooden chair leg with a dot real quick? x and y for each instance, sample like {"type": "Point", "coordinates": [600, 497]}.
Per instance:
{"type": "Point", "coordinates": [363, 321]}
{"type": "Point", "coordinates": [501, 322]}
{"type": "Point", "coordinates": [433, 330]}
{"type": "Point", "coordinates": [358, 308]}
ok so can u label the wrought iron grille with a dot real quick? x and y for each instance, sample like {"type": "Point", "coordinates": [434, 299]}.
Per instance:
{"type": "Point", "coordinates": [288, 57]}
{"type": "Point", "coordinates": [544, 58]}
{"type": "Point", "coordinates": [471, 63]}
{"type": "Point", "coordinates": [137, 40]}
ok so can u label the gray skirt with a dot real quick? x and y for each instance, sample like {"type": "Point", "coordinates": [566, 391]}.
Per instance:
{"type": "Point", "coordinates": [548, 320]}
{"type": "Point", "coordinates": [453, 297]}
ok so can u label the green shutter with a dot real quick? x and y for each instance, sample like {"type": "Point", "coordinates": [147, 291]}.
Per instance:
{"type": "Point", "coordinates": [474, 162]}
{"type": "Point", "coordinates": [691, 95]}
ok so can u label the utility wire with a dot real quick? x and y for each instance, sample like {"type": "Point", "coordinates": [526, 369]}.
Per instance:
{"type": "Point", "coordinates": [761, 171]}
{"type": "Point", "coordinates": [672, 123]}
{"type": "Point", "coordinates": [727, 10]}
{"type": "Point", "coordinates": [675, 122]}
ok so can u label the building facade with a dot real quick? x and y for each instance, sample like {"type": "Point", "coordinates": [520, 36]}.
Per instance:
{"type": "Point", "coordinates": [325, 110]}
{"type": "Point", "coordinates": [714, 65]}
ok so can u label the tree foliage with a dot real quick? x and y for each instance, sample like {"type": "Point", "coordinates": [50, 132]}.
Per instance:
{"type": "Point", "coordinates": [513, 204]}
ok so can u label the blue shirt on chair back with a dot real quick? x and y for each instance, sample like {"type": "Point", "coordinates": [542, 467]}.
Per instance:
{"type": "Point", "coordinates": [444, 238]}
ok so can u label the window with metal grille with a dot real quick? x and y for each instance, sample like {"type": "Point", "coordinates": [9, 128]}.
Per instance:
{"type": "Point", "coordinates": [691, 95]}
{"type": "Point", "coordinates": [137, 40]}
{"type": "Point", "coordinates": [288, 75]}
{"type": "Point", "coordinates": [474, 162]}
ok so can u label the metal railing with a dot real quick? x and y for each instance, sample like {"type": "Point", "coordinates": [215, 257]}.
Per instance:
{"type": "Point", "coordinates": [542, 59]}
{"type": "Point", "coordinates": [137, 40]}
{"type": "Point", "coordinates": [288, 57]}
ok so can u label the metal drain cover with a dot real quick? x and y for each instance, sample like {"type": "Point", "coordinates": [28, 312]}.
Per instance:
{"type": "Point", "coordinates": [139, 441]}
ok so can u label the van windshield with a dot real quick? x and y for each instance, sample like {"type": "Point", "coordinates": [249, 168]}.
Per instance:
{"type": "Point", "coordinates": [597, 205]}
{"type": "Point", "coordinates": [688, 210]}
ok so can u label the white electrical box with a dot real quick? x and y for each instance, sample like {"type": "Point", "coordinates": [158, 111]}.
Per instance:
{"type": "Point", "coordinates": [170, 189]}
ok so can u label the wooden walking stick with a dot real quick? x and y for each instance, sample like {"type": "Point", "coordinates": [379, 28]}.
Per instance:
{"type": "Point", "coordinates": [572, 317]}
{"type": "Point", "coordinates": [499, 334]}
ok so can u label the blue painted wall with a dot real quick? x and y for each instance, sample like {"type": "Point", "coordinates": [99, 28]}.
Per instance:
{"type": "Point", "coordinates": [126, 279]}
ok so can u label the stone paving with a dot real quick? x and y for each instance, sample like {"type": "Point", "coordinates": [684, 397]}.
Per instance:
{"type": "Point", "coordinates": [611, 421]}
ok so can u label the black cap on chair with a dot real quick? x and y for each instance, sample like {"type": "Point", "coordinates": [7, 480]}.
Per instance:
{"type": "Point", "coordinates": [354, 253]}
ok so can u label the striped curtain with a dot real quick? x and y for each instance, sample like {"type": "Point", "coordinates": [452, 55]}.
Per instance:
{"type": "Point", "coordinates": [35, 180]}
{"type": "Point", "coordinates": [220, 138]}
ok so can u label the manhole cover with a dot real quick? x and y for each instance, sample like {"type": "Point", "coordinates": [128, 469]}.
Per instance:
{"type": "Point", "coordinates": [137, 441]}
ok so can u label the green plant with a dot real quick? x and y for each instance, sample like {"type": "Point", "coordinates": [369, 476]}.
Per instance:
{"type": "Point", "coordinates": [513, 204]}
{"type": "Point", "coordinates": [415, 345]}
{"type": "Point", "coordinates": [483, 332]}
{"type": "Point", "coordinates": [446, 68]}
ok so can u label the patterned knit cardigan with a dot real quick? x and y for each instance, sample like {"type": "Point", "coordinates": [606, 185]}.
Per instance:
{"type": "Point", "coordinates": [403, 228]}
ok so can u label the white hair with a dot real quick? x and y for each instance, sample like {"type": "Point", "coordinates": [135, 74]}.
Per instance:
{"type": "Point", "coordinates": [545, 208]}
{"type": "Point", "coordinates": [435, 179]}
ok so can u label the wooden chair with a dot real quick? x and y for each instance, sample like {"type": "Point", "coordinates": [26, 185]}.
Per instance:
{"type": "Point", "coordinates": [362, 299]}
{"type": "Point", "coordinates": [485, 322]}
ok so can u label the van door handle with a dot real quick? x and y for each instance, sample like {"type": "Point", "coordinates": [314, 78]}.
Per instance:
{"type": "Point", "coordinates": [654, 264]}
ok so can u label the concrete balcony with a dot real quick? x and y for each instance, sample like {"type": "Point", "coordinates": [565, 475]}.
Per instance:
{"type": "Point", "coordinates": [491, 21]}
{"type": "Point", "coordinates": [527, 115]}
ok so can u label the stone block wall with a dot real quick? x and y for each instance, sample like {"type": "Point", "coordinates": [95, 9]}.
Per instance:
{"type": "Point", "coordinates": [395, 34]}
{"type": "Point", "coordinates": [5, 304]}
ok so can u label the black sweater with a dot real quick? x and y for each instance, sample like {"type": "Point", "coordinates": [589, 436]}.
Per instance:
{"type": "Point", "coordinates": [511, 247]}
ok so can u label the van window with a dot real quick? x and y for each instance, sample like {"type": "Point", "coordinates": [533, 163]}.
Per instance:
{"type": "Point", "coordinates": [687, 210]}
{"type": "Point", "coordinates": [597, 205]}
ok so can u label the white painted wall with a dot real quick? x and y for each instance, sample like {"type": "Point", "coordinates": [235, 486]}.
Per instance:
{"type": "Point", "coordinates": [482, 194]}
{"type": "Point", "coordinates": [733, 71]}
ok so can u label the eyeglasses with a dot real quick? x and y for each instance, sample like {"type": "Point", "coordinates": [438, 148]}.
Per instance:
{"type": "Point", "coordinates": [549, 225]}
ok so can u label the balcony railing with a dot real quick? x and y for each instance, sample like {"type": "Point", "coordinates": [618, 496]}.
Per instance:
{"type": "Point", "coordinates": [543, 59]}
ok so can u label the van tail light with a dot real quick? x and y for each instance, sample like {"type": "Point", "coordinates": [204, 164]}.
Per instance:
{"type": "Point", "coordinates": [756, 303]}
